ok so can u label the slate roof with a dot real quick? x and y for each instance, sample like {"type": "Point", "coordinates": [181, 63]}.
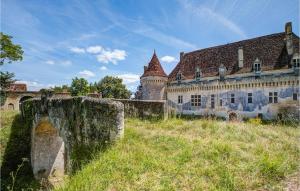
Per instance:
{"type": "Point", "coordinates": [154, 68]}
{"type": "Point", "coordinates": [270, 49]}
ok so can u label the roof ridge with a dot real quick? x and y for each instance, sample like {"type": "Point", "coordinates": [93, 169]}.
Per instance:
{"type": "Point", "coordinates": [246, 40]}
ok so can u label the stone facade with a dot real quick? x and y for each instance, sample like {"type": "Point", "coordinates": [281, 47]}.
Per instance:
{"type": "Point", "coordinates": [63, 126]}
{"type": "Point", "coordinates": [249, 78]}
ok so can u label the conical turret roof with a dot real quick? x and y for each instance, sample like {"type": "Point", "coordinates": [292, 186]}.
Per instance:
{"type": "Point", "coordinates": [154, 68]}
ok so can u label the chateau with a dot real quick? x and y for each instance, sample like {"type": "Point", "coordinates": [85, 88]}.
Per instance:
{"type": "Point", "coordinates": [257, 77]}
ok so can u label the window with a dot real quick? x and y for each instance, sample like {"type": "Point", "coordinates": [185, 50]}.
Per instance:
{"type": "Point", "coordinates": [270, 97]}
{"type": "Point", "coordinates": [249, 97]}
{"type": "Point", "coordinates": [295, 96]}
{"type": "Point", "coordinates": [212, 101]}
{"type": "Point", "coordinates": [178, 77]}
{"type": "Point", "coordinates": [232, 98]}
{"type": "Point", "coordinates": [273, 97]}
{"type": "Point", "coordinates": [296, 62]}
{"type": "Point", "coordinates": [221, 102]}
{"type": "Point", "coordinates": [180, 99]}
{"type": "Point", "coordinates": [257, 67]}
{"type": "Point", "coordinates": [196, 100]}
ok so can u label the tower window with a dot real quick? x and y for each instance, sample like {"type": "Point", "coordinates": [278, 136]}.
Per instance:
{"type": "Point", "coordinates": [180, 99]}
{"type": "Point", "coordinates": [295, 96]}
{"type": "Point", "coordinates": [212, 101]}
{"type": "Point", "coordinates": [221, 102]}
{"type": "Point", "coordinates": [249, 97]}
{"type": "Point", "coordinates": [196, 100]}
{"type": "Point", "coordinates": [232, 98]}
{"type": "Point", "coordinates": [296, 62]}
{"type": "Point", "coordinates": [275, 97]}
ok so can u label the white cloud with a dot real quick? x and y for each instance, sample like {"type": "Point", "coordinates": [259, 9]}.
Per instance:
{"type": "Point", "coordinates": [50, 62]}
{"type": "Point", "coordinates": [213, 16]}
{"type": "Point", "coordinates": [86, 74]}
{"type": "Point", "coordinates": [103, 68]}
{"type": "Point", "coordinates": [94, 49]}
{"type": "Point", "coordinates": [77, 50]}
{"type": "Point", "coordinates": [107, 56]}
{"type": "Point", "coordinates": [66, 63]}
{"type": "Point", "coordinates": [168, 59]}
{"type": "Point", "coordinates": [129, 78]}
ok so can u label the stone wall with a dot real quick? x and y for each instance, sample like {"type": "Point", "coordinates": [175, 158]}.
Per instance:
{"type": "Point", "coordinates": [143, 109]}
{"type": "Point", "coordinates": [65, 130]}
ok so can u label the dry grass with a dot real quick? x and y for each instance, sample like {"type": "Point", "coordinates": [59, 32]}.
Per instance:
{"type": "Point", "coordinates": [193, 155]}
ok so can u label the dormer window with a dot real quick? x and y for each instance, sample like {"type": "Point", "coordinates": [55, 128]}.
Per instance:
{"type": "Point", "coordinates": [222, 72]}
{"type": "Point", "coordinates": [178, 77]}
{"type": "Point", "coordinates": [296, 62]}
{"type": "Point", "coordinates": [257, 66]}
{"type": "Point", "coordinates": [197, 74]}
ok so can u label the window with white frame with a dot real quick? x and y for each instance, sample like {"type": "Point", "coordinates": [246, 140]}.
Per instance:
{"type": "Point", "coordinates": [249, 97]}
{"type": "Point", "coordinates": [232, 99]}
{"type": "Point", "coordinates": [257, 65]}
{"type": "Point", "coordinates": [178, 77]}
{"type": "Point", "coordinates": [180, 99]}
{"type": "Point", "coordinates": [296, 62]}
{"type": "Point", "coordinates": [196, 100]}
{"type": "Point", "coordinates": [273, 97]}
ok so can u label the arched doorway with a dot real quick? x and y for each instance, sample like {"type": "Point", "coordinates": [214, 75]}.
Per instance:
{"type": "Point", "coordinates": [48, 153]}
{"type": "Point", "coordinates": [24, 98]}
{"type": "Point", "coordinates": [11, 106]}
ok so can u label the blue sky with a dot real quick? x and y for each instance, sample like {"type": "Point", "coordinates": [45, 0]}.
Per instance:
{"type": "Point", "coordinates": [93, 38]}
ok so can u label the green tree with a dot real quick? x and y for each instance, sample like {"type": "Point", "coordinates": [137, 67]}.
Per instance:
{"type": "Point", "coordinates": [79, 87]}
{"type": "Point", "coordinates": [112, 87]}
{"type": "Point", "coordinates": [9, 52]}
{"type": "Point", "coordinates": [93, 87]}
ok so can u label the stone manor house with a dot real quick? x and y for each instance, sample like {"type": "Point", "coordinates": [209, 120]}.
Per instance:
{"type": "Point", "coordinates": [250, 78]}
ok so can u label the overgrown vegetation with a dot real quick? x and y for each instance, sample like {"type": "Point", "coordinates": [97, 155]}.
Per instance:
{"type": "Point", "coordinates": [198, 154]}
{"type": "Point", "coordinates": [177, 154]}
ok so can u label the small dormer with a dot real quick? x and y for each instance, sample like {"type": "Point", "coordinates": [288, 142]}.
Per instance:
{"type": "Point", "coordinates": [296, 61]}
{"type": "Point", "coordinates": [256, 68]}
{"type": "Point", "coordinates": [179, 77]}
{"type": "Point", "coordinates": [222, 71]}
{"type": "Point", "coordinates": [197, 74]}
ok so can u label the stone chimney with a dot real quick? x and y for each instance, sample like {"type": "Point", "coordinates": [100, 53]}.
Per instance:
{"type": "Point", "coordinates": [145, 68]}
{"type": "Point", "coordinates": [241, 57]}
{"type": "Point", "coordinates": [181, 55]}
{"type": "Point", "coordinates": [289, 38]}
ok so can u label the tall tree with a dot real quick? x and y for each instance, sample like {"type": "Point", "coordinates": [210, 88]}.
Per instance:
{"type": "Point", "coordinates": [112, 87]}
{"type": "Point", "coordinates": [9, 52]}
{"type": "Point", "coordinates": [79, 87]}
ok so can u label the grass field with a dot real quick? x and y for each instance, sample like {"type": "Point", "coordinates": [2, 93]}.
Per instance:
{"type": "Point", "coordinates": [180, 154]}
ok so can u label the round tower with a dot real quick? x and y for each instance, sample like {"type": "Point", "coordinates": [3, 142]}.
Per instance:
{"type": "Point", "coordinates": [153, 81]}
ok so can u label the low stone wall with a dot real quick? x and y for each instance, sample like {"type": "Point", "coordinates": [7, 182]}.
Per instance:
{"type": "Point", "coordinates": [145, 109]}
{"type": "Point", "coordinates": [66, 130]}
